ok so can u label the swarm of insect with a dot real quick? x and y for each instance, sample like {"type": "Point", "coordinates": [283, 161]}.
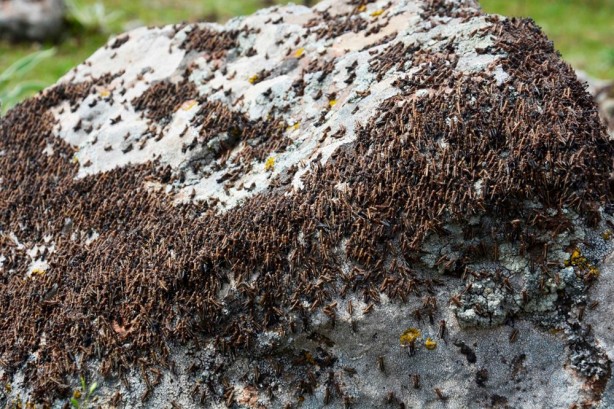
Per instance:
{"type": "Point", "coordinates": [161, 273]}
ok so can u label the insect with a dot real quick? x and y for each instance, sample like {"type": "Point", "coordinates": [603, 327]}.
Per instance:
{"type": "Point", "coordinates": [380, 364]}
{"type": "Point", "coordinates": [581, 313]}
{"type": "Point", "coordinates": [513, 335]}
{"type": "Point", "coordinates": [442, 329]}
{"type": "Point", "coordinates": [525, 296]}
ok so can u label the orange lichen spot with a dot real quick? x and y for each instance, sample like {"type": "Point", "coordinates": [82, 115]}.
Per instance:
{"type": "Point", "coordinates": [377, 13]}
{"type": "Point", "coordinates": [430, 344]}
{"type": "Point", "coordinates": [186, 106]}
{"type": "Point", "coordinates": [269, 165]}
{"type": "Point", "coordinates": [299, 53]}
{"type": "Point", "coordinates": [253, 79]}
{"type": "Point", "coordinates": [409, 336]}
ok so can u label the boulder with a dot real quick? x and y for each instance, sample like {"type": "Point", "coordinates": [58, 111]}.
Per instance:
{"type": "Point", "coordinates": [603, 92]}
{"type": "Point", "coordinates": [34, 20]}
{"type": "Point", "coordinates": [360, 204]}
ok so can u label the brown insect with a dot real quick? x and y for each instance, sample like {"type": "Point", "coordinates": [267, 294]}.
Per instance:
{"type": "Point", "coordinates": [442, 329]}
{"type": "Point", "coordinates": [513, 335]}
{"type": "Point", "coordinates": [581, 312]}
{"type": "Point", "coordinates": [380, 364]}
{"type": "Point", "coordinates": [440, 394]}
{"type": "Point", "coordinates": [415, 380]}
{"type": "Point", "coordinates": [455, 299]}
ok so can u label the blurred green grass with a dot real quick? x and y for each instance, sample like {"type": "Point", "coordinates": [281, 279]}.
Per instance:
{"type": "Point", "coordinates": [583, 30]}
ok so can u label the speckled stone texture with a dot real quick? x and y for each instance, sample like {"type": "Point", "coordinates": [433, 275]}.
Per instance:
{"type": "Point", "coordinates": [363, 204]}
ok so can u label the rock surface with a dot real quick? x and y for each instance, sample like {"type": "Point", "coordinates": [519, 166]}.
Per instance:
{"type": "Point", "coordinates": [365, 204]}
{"type": "Point", "coordinates": [37, 20]}
{"type": "Point", "coordinates": [603, 91]}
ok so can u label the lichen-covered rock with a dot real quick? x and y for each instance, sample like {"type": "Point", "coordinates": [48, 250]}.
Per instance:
{"type": "Point", "coordinates": [252, 215]}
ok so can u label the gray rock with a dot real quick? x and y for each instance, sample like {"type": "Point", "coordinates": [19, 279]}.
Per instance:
{"type": "Point", "coordinates": [401, 203]}
{"type": "Point", "coordinates": [37, 20]}
{"type": "Point", "coordinates": [603, 91]}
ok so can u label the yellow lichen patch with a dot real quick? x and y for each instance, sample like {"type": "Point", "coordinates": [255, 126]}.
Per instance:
{"type": "Point", "coordinates": [332, 102]}
{"type": "Point", "coordinates": [269, 165]}
{"type": "Point", "coordinates": [293, 127]}
{"type": "Point", "coordinates": [377, 13]}
{"type": "Point", "coordinates": [576, 257]}
{"type": "Point", "coordinates": [104, 92]}
{"type": "Point", "coordinates": [186, 106]}
{"type": "Point", "coordinates": [38, 272]}
{"type": "Point", "coordinates": [76, 394]}
{"type": "Point", "coordinates": [606, 235]}
{"type": "Point", "coordinates": [582, 264]}
{"type": "Point", "coordinates": [430, 344]}
{"type": "Point", "coordinates": [361, 8]}
{"type": "Point", "coordinates": [592, 272]}
{"type": "Point", "coordinates": [409, 336]}
{"type": "Point", "coordinates": [75, 159]}
{"type": "Point", "coordinates": [253, 79]}
{"type": "Point", "coordinates": [299, 53]}
{"type": "Point", "coordinates": [8, 387]}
